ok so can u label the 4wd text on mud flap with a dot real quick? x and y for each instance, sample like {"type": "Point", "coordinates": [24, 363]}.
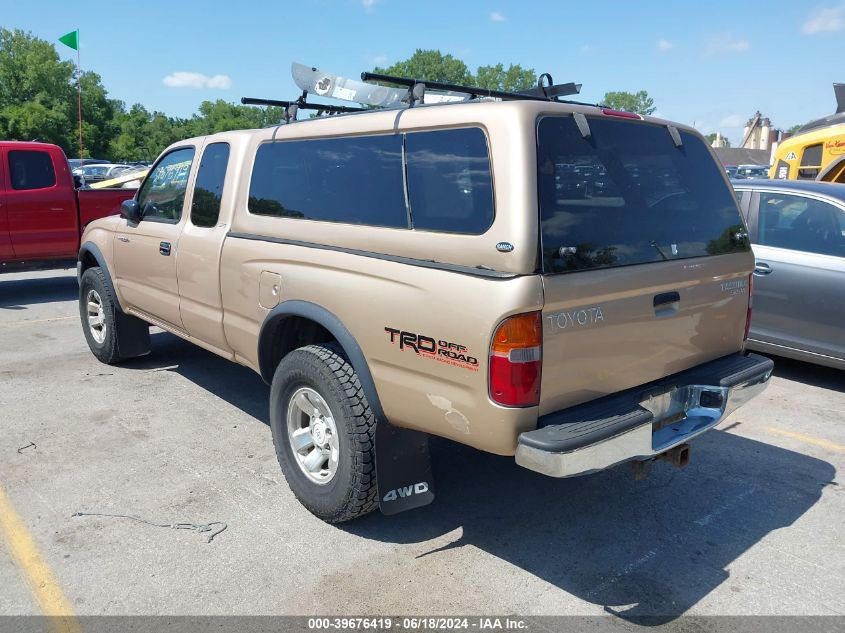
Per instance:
{"type": "Point", "coordinates": [406, 491]}
{"type": "Point", "coordinates": [439, 349]}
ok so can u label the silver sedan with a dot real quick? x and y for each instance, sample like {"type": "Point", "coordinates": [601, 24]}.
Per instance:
{"type": "Point", "coordinates": [798, 235]}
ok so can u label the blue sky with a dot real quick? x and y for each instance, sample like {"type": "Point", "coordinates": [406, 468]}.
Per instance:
{"type": "Point", "coordinates": [709, 63]}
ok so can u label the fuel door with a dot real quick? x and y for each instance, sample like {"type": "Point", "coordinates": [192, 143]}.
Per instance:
{"type": "Point", "coordinates": [269, 289]}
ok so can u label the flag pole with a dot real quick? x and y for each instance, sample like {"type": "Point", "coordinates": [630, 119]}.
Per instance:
{"type": "Point", "coordinates": [79, 92]}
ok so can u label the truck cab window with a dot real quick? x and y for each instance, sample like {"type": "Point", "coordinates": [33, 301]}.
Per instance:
{"type": "Point", "coordinates": [208, 190]}
{"type": "Point", "coordinates": [30, 169]}
{"type": "Point", "coordinates": [163, 193]}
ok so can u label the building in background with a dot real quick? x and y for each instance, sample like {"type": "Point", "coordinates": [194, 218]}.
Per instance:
{"type": "Point", "coordinates": [732, 156]}
{"type": "Point", "coordinates": [759, 134]}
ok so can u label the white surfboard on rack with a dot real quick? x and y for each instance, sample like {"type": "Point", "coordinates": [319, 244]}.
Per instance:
{"type": "Point", "coordinates": [321, 83]}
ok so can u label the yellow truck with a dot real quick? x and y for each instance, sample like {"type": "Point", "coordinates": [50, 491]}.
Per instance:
{"type": "Point", "coordinates": [817, 150]}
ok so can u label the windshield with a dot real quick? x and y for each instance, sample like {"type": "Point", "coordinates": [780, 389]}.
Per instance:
{"type": "Point", "coordinates": [95, 170]}
{"type": "Point", "coordinates": [626, 195]}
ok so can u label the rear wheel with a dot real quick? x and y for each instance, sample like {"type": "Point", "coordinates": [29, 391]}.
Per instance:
{"type": "Point", "coordinates": [97, 311]}
{"type": "Point", "coordinates": [324, 433]}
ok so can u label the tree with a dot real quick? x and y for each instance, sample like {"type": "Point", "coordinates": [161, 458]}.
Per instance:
{"type": "Point", "coordinates": [221, 116]}
{"type": "Point", "coordinates": [35, 89]}
{"type": "Point", "coordinates": [711, 138]}
{"type": "Point", "coordinates": [432, 65]}
{"type": "Point", "coordinates": [638, 103]}
{"type": "Point", "coordinates": [514, 79]}
{"type": "Point", "coordinates": [795, 128]}
{"type": "Point", "coordinates": [141, 135]}
{"type": "Point", "coordinates": [30, 70]}
{"type": "Point", "coordinates": [99, 117]}
{"type": "Point", "coordinates": [33, 121]}
{"type": "Point", "coordinates": [38, 98]}
{"type": "Point", "coordinates": [128, 144]}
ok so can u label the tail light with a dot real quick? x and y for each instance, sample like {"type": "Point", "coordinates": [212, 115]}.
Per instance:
{"type": "Point", "coordinates": [620, 113]}
{"type": "Point", "coordinates": [750, 302]}
{"type": "Point", "coordinates": [516, 361]}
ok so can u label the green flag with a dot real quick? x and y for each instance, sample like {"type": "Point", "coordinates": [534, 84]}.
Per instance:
{"type": "Point", "coordinates": [71, 39]}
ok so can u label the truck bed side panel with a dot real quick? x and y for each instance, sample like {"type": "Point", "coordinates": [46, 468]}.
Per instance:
{"type": "Point", "coordinates": [387, 305]}
{"type": "Point", "coordinates": [100, 203]}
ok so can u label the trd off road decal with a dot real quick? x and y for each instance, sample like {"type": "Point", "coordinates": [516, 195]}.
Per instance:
{"type": "Point", "coordinates": [437, 349]}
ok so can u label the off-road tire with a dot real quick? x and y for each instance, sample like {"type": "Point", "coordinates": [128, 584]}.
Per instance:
{"type": "Point", "coordinates": [106, 351]}
{"type": "Point", "coordinates": [352, 491]}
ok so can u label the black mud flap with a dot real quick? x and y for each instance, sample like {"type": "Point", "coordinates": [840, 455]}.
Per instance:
{"type": "Point", "coordinates": [403, 468]}
{"type": "Point", "coordinates": [133, 335]}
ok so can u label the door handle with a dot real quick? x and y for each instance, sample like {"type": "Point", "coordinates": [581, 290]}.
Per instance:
{"type": "Point", "coordinates": [164, 248]}
{"type": "Point", "coordinates": [762, 268]}
{"type": "Point", "coordinates": [666, 303]}
{"type": "Point", "coordinates": [665, 298]}
{"type": "Point", "coordinates": [123, 239]}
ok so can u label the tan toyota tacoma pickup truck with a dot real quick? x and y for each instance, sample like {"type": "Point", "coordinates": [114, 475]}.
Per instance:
{"type": "Point", "coordinates": [562, 283]}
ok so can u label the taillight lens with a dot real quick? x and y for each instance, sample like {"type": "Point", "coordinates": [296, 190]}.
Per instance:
{"type": "Point", "coordinates": [516, 361]}
{"type": "Point", "coordinates": [750, 302]}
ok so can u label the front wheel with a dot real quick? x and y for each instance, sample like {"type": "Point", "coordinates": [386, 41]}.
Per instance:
{"type": "Point", "coordinates": [97, 310]}
{"type": "Point", "coordinates": [324, 433]}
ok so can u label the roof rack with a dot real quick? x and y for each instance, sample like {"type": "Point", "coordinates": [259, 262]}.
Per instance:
{"type": "Point", "coordinates": [292, 107]}
{"type": "Point", "coordinates": [311, 80]}
{"type": "Point", "coordinates": [542, 92]}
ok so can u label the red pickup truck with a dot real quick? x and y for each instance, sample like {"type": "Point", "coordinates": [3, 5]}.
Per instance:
{"type": "Point", "coordinates": [42, 214]}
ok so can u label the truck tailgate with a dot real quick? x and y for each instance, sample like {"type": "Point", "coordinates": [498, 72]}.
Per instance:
{"type": "Point", "coordinates": [608, 330]}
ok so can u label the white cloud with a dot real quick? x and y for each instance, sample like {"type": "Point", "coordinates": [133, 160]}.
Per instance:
{"type": "Point", "coordinates": [369, 5]}
{"type": "Point", "coordinates": [181, 79]}
{"type": "Point", "coordinates": [497, 17]}
{"type": "Point", "coordinates": [733, 120]}
{"type": "Point", "coordinates": [664, 45]}
{"type": "Point", "coordinates": [828, 19]}
{"type": "Point", "coordinates": [377, 60]}
{"type": "Point", "coordinates": [720, 43]}
{"type": "Point", "coordinates": [588, 49]}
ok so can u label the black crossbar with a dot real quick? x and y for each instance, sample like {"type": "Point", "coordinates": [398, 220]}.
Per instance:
{"type": "Point", "coordinates": [322, 107]}
{"type": "Point", "coordinates": [439, 85]}
{"type": "Point", "coordinates": [545, 93]}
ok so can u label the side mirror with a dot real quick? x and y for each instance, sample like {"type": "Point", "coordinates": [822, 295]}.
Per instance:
{"type": "Point", "coordinates": [78, 181]}
{"type": "Point", "coordinates": [131, 210]}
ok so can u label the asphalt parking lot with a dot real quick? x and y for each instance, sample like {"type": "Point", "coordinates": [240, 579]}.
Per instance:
{"type": "Point", "coordinates": [754, 525]}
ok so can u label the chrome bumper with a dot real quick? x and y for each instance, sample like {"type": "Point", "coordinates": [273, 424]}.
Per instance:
{"type": "Point", "coordinates": [662, 421]}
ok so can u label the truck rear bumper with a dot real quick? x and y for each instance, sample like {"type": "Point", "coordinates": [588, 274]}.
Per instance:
{"type": "Point", "coordinates": [643, 422]}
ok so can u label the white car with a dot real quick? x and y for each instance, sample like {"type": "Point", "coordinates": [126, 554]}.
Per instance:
{"type": "Point", "coordinates": [100, 172]}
